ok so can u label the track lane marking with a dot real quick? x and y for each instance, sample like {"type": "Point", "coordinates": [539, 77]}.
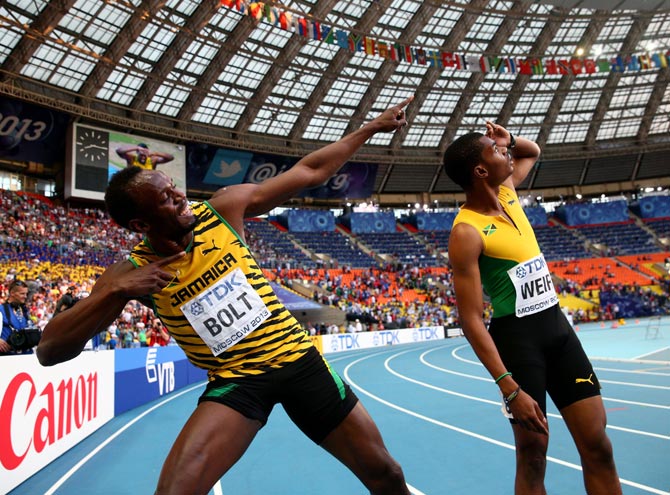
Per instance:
{"type": "Point", "coordinates": [118, 432]}
{"type": "Point", "coordinates": [468, 432]}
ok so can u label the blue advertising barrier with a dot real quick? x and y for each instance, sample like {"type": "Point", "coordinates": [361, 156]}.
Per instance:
{"type": "Point", "coordinates": [652, 207]}
{"type": "Point", "coordinates": [370, 222]}
{"type": "Point", "coordinates": [537, 215]}
{"type": "Point", "coordinates": [593, 213]}
{"type": "Point", "coordinates": [442, 220]}
{"type": "Point", "coordinates": [310, 221]}
{"type": "Point", "coordinates": [147, 373]}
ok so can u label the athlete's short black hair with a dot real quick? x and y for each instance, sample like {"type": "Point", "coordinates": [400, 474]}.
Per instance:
{"type": "Point", "coordinates": [120, 202]}
{"type": "Point", "coordinates": [461, 158]}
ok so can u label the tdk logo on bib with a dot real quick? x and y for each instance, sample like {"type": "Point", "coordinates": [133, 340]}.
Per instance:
{"type": "Point", "coordinates": [227, 312]}
{"type": "Point", "coordinates": [219, 292]}
{"type": "Point", "coordinates": [533, 286]}
{"type": "Point", "coordinates": [197, 309]}
{"type": "Point", "coordinates": [531, 266]}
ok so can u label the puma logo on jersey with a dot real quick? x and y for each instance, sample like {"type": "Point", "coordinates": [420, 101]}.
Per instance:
{"type": "Point", "coordinates": [585, 380]}
{"type": "Point", "coordinates": [213, 248]}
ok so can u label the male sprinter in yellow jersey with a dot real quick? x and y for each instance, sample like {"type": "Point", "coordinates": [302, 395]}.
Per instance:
{"type": "Point", "coordinates": [530, 349]}
{"type": "Point", "coordinates": [196, 271]}
{"type": "Point", "coordinates": [139, 155]}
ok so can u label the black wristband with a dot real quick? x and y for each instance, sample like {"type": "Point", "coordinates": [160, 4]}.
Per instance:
{"type": "Point", "coordinates": [507, 400]}
{"type": "Point", "coordinates": [512, 141]}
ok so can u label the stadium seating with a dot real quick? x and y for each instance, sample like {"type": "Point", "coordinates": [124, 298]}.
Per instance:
{"type": "Point", "coordinates": [336, 246]}
{"type": "Point", "coordinates": [620, 238]}
{"type": "Point", "coordinates": [399, 246]}
{"type": "Point", "coordinates": [401, 273]}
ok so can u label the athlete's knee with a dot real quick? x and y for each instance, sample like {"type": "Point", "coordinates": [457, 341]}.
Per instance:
{"type": "Point", "coordinates": [597, 449]}
{"type": "Point", "coordinates": [531, 454]}
{"type": "Point", "coordinates": [532, 462]}
{"type": "Point", "coordinates": [385, 476]}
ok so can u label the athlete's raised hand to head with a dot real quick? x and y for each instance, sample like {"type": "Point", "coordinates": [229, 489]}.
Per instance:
{"type": "Point", "coordinates": [498, 133]}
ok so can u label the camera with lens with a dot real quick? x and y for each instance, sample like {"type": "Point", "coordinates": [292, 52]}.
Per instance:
{"type": "Point", "coordinates": [27, 338]}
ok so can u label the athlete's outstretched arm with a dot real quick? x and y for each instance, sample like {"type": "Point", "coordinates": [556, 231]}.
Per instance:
{"type": "Point", "coordinates": [312, 170]}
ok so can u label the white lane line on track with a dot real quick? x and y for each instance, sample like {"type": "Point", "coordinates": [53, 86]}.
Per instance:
{"type": "Point", "coordinates": [638, 385]}
{"type": "Point", "coordinates": [455, 355]}
{"type": "Point", "coordinates": [422, 358]}
{"type": "Point", "coordinates": [629, 360]}
{"type": "Point", "coordinates": [470, 433]}
{"type": "Point", "coordinates": [558, 416]}
{"type": "Point", "coordinates": [217, 488]}
{"type": "Point", "coordinates": [635, 403]}
{"type": "Point", "coordinates": [642, 356]}
{"type": "Point", "coordinates": [641, 372]}
{"type": "Point", "coordinates": [414, 491]}
{"type": "Point", "coordinates": [88, 456]}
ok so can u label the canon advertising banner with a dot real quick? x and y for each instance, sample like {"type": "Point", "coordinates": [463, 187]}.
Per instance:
{"type": "Point", "coordinates": [46, 411]}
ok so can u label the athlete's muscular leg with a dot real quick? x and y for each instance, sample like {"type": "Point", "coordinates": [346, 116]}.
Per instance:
{"type": "Point", "coordinates": [213, 439]}
{"type": "Point", "coordinates": [586, 420]}
{"type": "Point", "coordinates": [359, 445]}
{"type": "Point", "coordinates": [531, 461]}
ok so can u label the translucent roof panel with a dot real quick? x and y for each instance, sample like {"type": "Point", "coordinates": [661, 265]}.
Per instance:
{"type": "Point", "coordinates": [487, 102]}
{"type": "Point", "coordinates": [626, 108]}
{"type": "Point", "coordinates": [74, 48]}
{"type": "Point", "coordinates": [482, 32]}
{"type": "Point", "coordinates": [568, 36]}
{"type": "Point", "coordinates": [395, 20]}
{"type": "Point", "coordinates": [300, 74]}
{"type": "Point", "coordinates": [12, 25]}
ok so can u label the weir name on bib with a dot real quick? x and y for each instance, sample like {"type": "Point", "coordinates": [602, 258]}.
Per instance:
{"type": "Point", "coordinates": [534, 288]}
{"type": "Point", "coordinates": [226, 313]}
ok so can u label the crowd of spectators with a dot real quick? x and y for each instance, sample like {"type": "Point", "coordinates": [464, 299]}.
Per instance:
{"type": "Point", "coordinates": [34, 228]}
{"type": "Point", "coordinates": [60, 251]}
{"type": "Point", "coordinates": [625, 301]}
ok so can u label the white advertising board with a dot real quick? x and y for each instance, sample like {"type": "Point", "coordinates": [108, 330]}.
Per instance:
{"type": "Point", "coordinates": [46, 411]}
{"type": "Point", "coordinates": [363, 340]}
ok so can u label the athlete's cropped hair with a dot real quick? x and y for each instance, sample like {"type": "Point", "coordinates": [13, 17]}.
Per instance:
{"type": "Point", "coordinates": [119, 200]}
{"type": "Point", "coordinates": [461, 158]}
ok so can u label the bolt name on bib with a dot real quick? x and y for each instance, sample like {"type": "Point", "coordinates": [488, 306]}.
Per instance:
{"type": "Point", "coordinates": [533, 285]}
{"type": "Point", "coordinates": [226, 312]}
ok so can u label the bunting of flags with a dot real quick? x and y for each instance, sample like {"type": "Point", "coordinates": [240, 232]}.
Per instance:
{"type": "Point", "coordinates": [353, 42]}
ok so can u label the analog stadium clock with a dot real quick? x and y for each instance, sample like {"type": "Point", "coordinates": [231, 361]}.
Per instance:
{"type": "Point", "coordinates": [92, 147]}
{"type": "Point", "coordinates": [91, 157]}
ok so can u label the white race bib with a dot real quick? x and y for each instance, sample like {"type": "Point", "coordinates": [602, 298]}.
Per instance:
{"type": "Point", "coordinates": [534, 287]}
{"type": "Point", "coordinates": [226, 312]}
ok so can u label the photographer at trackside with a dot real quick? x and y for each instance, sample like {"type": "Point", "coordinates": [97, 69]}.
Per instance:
{"type": "Point", "coordinates": [19, 334]}
{"type": "Point", "coordinates": [67, 300]}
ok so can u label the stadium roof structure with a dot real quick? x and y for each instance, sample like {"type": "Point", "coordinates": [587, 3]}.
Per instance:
{"type": "Point", "coordinates": [586, 79]}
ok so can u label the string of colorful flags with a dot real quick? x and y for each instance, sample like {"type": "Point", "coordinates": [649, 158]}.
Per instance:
{"type": "Point", "coordinates": [354, 42]}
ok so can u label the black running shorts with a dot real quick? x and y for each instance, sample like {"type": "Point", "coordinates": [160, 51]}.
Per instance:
{"type": "Point", "coordinates": [545, 356]}
{"type": "Point", "coordinates": [312, 394]}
